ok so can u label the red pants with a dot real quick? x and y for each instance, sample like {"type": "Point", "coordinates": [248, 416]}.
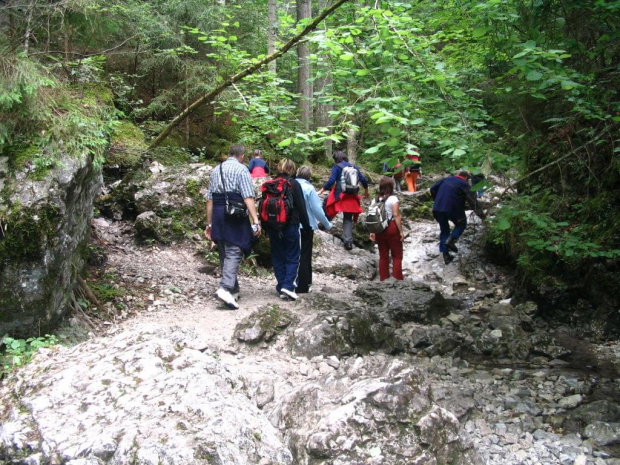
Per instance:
{"type": "Point", "coordinates": [411, 179]}
{"type": "Point", "coordinates": [389, 242]}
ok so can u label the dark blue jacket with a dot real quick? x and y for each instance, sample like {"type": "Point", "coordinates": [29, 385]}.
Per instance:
{"type": "Point", "coordinates": [237, 231]}
{"type": "Point", "coordinates": [334, 177]}
{"type": "Point", "coordinates": [258, 162]}
{"type": "Point", "coordinates": [450, 196]}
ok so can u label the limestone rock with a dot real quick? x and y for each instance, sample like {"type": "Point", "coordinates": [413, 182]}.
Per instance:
{"type": "Point", "coordinates": [140, 397]}
{"type": "Point", "coordinates": [45, 233]}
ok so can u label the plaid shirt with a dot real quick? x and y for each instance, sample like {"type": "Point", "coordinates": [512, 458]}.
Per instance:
{"type": "Point", "coordinates": [236, 176]}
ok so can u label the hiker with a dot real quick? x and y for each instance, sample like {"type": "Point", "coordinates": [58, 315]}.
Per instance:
{"type": "Point", "coordinates": [451, 195]}
{"type": "Point", "coordinates": [282, 225]}
{"type": "Point", "coordinates": [258, 168]}
{"type": "Point", "coordinates": [390, 241]}
{"type": "Point", "coordinates": [316, 219]}
{"type": "Point", "coordinates": [339, 201]}
{"type": "Point", "coordinates": [477, 179]}
{"type": "Point", "coordinates": [395, 173]}
{"type": "Point", "coordinates": [413, 170]}
{"type": "Point", "coordinates": [230, 200]}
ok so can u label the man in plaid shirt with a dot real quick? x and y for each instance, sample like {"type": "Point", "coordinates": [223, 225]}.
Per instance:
{"type": "Point", "coordinates": [233, 236]}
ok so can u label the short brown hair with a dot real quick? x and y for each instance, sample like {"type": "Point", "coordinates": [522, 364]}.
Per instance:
{"type": "Point", "coordinates": [236, 151]}
{"type": "Point", "coordinates": [386, 186]}
{"type": "Point", "coordinates": [304, 172]}
{"type": "Point", "coordinates": [286, 166]}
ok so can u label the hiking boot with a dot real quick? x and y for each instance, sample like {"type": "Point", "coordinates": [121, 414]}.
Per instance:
{"type": "Point", "coordinates": [447, 258]}
{"type": "Point", "coordinates": [290, 294]}
{"type": "Point", "coordinates": [450, 244]}
{"type": "Point", "coordinates": [348, 246]}
{"type": "Point", "coordinates": [226, 297]}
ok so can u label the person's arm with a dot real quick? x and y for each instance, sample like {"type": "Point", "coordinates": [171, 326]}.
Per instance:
{"type": "Point", "coordinates": [266, 167]}
{"type": "Point", "coordinates": [251, 165]}
{"type": "Point", "coordinates": [364, 182]}
{"type": "Point", "coordinates": [209, 216]}
{"type": "Point", "coordinates": [333, 177]}
{"type": "Point", "coordinates": [397, 219]}
{"type": "Point", "coordinates": [251, 206]}
{"type": "Point", "coordinates": [300, 205]}
{"type": "Point", "coordinates": [435, 189]}
{"type": "Point", "coordinates": [316, 207]}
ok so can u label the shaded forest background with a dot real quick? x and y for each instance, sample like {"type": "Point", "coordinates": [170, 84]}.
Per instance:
{"type": "Point", "coordinates": [526, 90]}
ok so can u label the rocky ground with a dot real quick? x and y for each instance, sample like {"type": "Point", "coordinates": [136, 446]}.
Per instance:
{"type": "Point", "coordinates": [507, 387]}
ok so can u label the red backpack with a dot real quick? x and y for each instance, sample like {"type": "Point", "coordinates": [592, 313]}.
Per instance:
{"type": "Point", "coordinates": [276, 203]}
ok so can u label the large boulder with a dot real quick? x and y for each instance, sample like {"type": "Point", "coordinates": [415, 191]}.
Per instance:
{"type": "Point", "coordinates": [144, 396]}
{"type": "Point", "coordinates": [44, 234]}
{"type": "Point", "coordinates": [372, 410]}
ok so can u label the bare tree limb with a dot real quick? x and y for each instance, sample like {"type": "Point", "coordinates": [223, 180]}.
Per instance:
{"type": "Point", "coordinates": [240, 75]}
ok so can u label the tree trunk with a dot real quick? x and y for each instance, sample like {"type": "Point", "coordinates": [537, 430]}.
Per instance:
{"type": "Point", "coordinates": [304, 86]}
{"type": "Point", "coordinates": [352, 144]}
{"type": "Point", "coordinates": [272, 32]}
{"type": "Point", "coordinates": [29, 12]}
{"type": "Point", "coordinates": [246, 72]}
{"type": "Point", "coordinates": [322, 118]}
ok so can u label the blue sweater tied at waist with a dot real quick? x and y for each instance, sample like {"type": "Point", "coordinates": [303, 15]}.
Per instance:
{"type": "Point", "coordinates": [236, 231]}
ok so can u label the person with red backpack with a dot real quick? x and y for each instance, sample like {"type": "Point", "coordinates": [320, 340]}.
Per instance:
{"type": "Point", "coordinates": [343, 195]}
{"type": "Point", "coordinates": [282, 210]}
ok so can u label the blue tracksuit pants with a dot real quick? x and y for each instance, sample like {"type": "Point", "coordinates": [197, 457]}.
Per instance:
{"type": "Point", "coordinates": [285, 253]}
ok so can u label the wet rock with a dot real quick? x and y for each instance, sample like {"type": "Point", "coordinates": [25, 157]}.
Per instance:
{"type": "Point", "coordinates": [405, 301]}
{"type": "Point", "coordinates": [602, 433]}
{"type": "Point", "coordinates": [585, 414]}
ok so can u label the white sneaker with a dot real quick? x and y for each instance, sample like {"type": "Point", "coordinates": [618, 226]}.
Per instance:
{"type": "Point", "coordinates": [290, 294]}
{"type": "Point", "coordinates": [227, 298]}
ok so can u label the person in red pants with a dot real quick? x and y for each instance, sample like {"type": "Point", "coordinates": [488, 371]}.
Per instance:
{"type": "Point", "coordinates": [390, 241]}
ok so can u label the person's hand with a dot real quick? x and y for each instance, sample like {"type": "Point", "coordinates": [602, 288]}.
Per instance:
{"type": "Point", "coordinates": [366, 194]}
{"type": "Point", "coordinates": [256, 229]}
{"type": "Point", "coordinates": [372, 237]}
{"type": "Point", "coordinates": [402, 237]}
{"type": "Point", "coordinates": [320, 192]}
{"type": "Point", "coordinates": [208, 232]}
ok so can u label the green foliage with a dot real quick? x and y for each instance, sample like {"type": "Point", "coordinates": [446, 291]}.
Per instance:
{"type": "Point", "coordinates": [18, 352]}
{"type": "Point", "coordinates": [545, 238]}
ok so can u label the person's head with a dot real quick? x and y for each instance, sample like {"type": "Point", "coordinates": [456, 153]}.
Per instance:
{"type": "Point", "coordinates": [339, 156]}
{"type": "Point", "coordinates": [286, 166]}
{"type": "Point", "coordinates": [304, 172]}
{"type": "Point", "coordinates": [386, 186]}
{"type": "Point", "coordinates": [258, 153]}
{"type": "Point", "coordinates": [237, 151]}
{"type": "Point", "coordinates": [464, 174]}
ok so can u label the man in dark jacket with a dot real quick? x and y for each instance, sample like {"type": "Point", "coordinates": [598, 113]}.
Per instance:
{"type": "Point", "coordinates": [451, 195]}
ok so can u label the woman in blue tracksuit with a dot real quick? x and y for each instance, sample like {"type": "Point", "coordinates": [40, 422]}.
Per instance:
{"type": "Point", "coordinates": [316, 215]}
{"type": "Point", "coordinates": [286, 242]}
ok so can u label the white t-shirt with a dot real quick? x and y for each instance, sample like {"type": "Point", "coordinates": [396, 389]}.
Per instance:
{"type": "Point", "coordinates": [389, 202]}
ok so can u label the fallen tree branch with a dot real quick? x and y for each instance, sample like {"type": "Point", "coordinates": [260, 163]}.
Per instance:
{"type": "Point", "coordinates": [240, 75]}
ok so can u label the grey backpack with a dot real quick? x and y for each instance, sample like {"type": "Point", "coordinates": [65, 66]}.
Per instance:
{"type": "Point", "coordinates": [376, 217]}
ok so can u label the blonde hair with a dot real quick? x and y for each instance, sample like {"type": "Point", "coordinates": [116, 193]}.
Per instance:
{"type": "Point", "coordinates": [286, 166]}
